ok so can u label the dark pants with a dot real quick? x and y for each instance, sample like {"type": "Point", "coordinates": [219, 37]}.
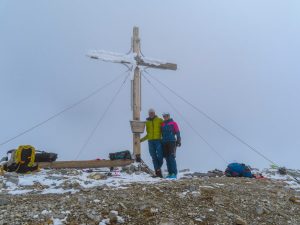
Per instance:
{"type": "Point", "coordinates": [156, 153]}
{"type": "Point", "coordinates": [169, 149]}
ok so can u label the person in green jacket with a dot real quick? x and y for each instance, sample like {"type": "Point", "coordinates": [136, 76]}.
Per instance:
{"type": "Point", "coordinates": [153, 129]}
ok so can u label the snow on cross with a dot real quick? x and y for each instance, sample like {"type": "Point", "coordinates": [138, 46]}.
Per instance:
{"type": "Point", "coordinates": [131, 59]}
{"type": "Point", "coordinates": [136, 60]}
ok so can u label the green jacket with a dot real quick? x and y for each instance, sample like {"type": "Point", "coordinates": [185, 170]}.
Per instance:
{"type": "Point", "coordinates": [153, 128]}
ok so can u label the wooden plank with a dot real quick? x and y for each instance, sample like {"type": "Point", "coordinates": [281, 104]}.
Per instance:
{"type": "Point", "coordinates": [164, 66]}
{"type": "Point", "coordinates": [85, 164]}
{"type": "Point", "coordinates": [136, 94]}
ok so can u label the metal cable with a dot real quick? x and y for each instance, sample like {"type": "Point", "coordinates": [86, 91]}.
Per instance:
{"type": "Point", "coordinates": [101, 117]}
{"type": "Point", "coordinates": [188, 123]}
{"type": "Point", "coordinates": [215, 122]}
{"type": "Point", "coordinates": [62, 111]}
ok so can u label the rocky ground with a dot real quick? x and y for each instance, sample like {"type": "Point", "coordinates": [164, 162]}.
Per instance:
{"type": "Point", "coordinates": [201, 200]}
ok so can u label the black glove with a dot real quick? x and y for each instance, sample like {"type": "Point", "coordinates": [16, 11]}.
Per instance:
{"type": "Point", "coordinates": [178, 143]}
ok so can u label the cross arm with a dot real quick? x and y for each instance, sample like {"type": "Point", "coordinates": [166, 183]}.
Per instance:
{"type": "Point", "coordinates": [112, 57]}
{"type": "Point", "coordinates": [132, 59]}
{"type": "Point", "coordinates": [153, 63]}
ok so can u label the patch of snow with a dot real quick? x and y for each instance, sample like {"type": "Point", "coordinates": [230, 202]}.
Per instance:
{"type": "Point", "coordinates": [155, 62]}
{"type": "Point", "coordinates": [10, 186]}
{"type": "Point", "coordinates": [120, 219]}
{"type": "Point", "coordinates": [45, 212]}
{"type": "Point", "coordinates": [45, 182]}
{"type": "Point", "coordinates": [57, 221]}
{"type": "Point", "coordinates": [58, 191]}
{"type": "Point", "coordinates": [104, 222]}
{"type": "Point", "coordinates": [19, 192]}
{"type": "Point", "coordinates": [200, 218]}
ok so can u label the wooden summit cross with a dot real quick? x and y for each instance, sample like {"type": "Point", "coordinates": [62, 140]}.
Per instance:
{"type": "Point", "coordinates": [136, 60]}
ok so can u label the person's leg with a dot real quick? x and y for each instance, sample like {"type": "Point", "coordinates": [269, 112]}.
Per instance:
{"type": "Point", "coordinates": [153, 155]}
{"type": "Point", "coordinates": [172, 159]}
{"type": "Point", "coordinates": [159, 157]}
{"type": "Point", "coordinates": [173, 165]}
{"type": "Point", "coordinates": [166, 151]}
{"type": "Point", "coordinates": [159, 153]}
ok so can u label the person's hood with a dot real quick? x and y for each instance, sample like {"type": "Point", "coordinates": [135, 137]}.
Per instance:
{"type": "Point", "coordinates": [169, 120]}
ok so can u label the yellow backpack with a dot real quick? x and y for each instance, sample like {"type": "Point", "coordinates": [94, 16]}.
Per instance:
{"type": "Point", "coordinates": [25, 154]}
{"type": "Point", "coordinates": [24, 159]}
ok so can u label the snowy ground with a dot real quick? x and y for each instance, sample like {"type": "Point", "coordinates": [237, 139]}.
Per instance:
{"type": "Point", "coordinates": [72, 181]}
{"type": "Point", "coordinates": [288, 179]}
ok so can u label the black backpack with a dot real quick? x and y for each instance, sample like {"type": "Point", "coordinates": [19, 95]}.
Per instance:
{"type": "Point", "coordinates": [120, 155]}
{"type": "Point", "coordinates": [42, 156]}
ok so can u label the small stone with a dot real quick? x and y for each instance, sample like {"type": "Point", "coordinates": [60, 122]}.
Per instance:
{"type": "Point", "coordinates": [166, 223]}
{"type": "Point", "coordinates": [97, 176]}
{"type": "Point", "coordinates": [113, 216]}
{"type": "Point", "coordinates": [192, 214]}
{"type": "Point", "coordinates": [282, 171]}
{"type": "Point", "coordinates": [12, 177]}
{"type": "Point", "coordinates": [259, 210]}
{"type": "Point", "coordinates": [199, 219]}
{"type": "Point", "coordinates": [82, 200]}
{"type": "Point", "coordinates": [4, 201]}
{"type": "Point", "coordinates": [182, 195]}
{"type": "Point", "coordinates": [94, 217]}
{"type": "Point", "coordinates": [196, 194]}
{"type": "Point", "coordinates": [122, 205]}
{"type": "Point", "coordinates": [192, 188]}
{"type": "Point", "coordinates": [240, 221]}
{"type": "Point", "coordinates": [59, 216]}
{"type": "Point", "coordinates": [153, 210]}
{"type": "Point", "coordinates": [142, 206]}
{"type": "Point", "coordinates": [295, 199]}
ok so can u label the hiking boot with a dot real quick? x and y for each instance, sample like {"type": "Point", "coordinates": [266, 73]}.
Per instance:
{"type": "Point", "coordinates": [172, 176]}
{"type": "Point", "coordinates": [158, 173]}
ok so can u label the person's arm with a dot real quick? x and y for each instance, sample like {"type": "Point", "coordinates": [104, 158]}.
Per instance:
{"type": "Point", "coordinates": [160, 126]}
{"type": "Point", "coordinates": [177, 133]}
{"type": "Point", "coordinates": [144, 138]}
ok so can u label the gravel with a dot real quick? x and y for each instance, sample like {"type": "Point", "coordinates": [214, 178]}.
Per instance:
{"type": "Point", "coordinates": [194, 200]}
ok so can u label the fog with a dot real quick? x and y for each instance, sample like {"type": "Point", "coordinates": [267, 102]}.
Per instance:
{"type": "Point", "coordinates": [237, 60]}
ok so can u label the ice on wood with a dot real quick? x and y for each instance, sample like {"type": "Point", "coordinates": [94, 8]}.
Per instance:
{"type": "Point", "coordinates": [132, 59]}
{"type": "Point", "coordinates": [113, 57]}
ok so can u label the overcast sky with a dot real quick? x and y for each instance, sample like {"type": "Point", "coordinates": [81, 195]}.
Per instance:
{"type": "Point", "coordinates": [237, 60]}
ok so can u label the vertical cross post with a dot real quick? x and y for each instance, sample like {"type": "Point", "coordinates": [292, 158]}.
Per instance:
{"type": "Point", "coordinates": [136, 94]}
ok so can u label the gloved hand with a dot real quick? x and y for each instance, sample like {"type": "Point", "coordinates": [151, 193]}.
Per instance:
{"type": "Point", "coordinates": [178, 143]}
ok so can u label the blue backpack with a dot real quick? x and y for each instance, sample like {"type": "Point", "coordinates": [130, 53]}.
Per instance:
{"type": "Point", "coordinates": [238, 170]}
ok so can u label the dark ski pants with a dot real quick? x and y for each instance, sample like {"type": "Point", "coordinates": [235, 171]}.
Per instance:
{"type": "Point", "coordinates": [169, 149]}
{"type": "Point", "coordinates": [156, 153]}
